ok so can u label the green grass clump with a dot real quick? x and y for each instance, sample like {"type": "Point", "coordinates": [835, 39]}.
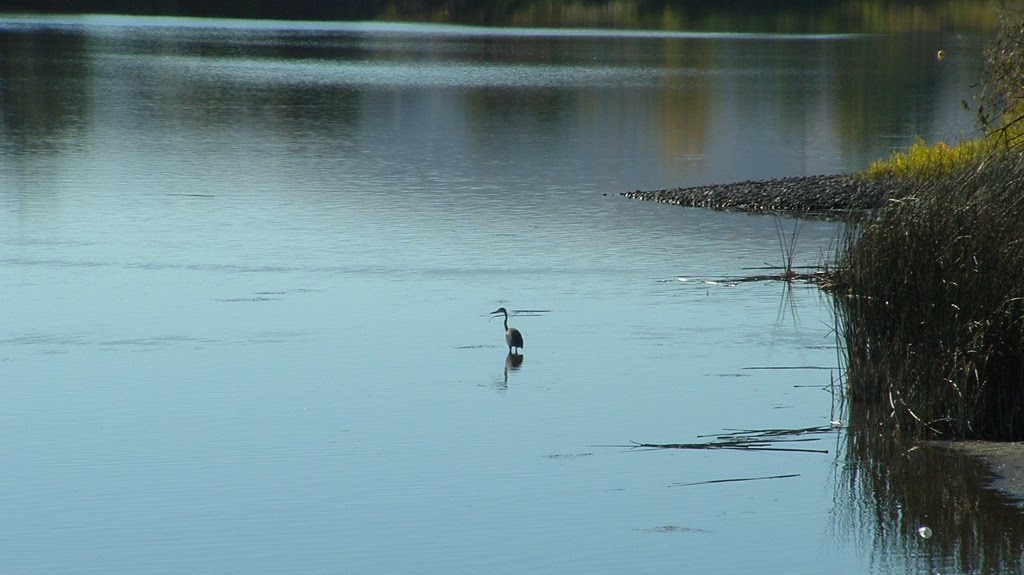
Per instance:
{"type": "Point", "coordinates": [923, 160]}
{"type": "Point", "coordinates": [930, 300]}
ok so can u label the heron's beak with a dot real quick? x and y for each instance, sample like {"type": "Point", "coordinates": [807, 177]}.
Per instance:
{"type": "Point", "coordinates": [495, 312]}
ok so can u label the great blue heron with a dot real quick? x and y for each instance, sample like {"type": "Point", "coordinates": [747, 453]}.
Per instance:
{"type": "Point", "coordinates": [513, 338]}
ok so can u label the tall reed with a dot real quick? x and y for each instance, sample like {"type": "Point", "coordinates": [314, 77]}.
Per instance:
{"type": "Point", "coordinates": [930, 302]}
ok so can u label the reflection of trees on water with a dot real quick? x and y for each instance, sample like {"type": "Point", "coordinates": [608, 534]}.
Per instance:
{"type": "Point", "coordinates": [44, 96]}
{"type": "Point", "coordinates": [871, 99]}
{"type": "Point", "coordinates": [736, 15]}
{"type": "Point", "coordinates": [645, 108]}
{"type": "Point", "coordinates": [46, 106]}
{"type": "Point", "coordinates": [888, 489]}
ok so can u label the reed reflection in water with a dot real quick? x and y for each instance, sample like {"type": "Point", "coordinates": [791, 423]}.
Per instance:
{"type": "Point", "coordinates": [922, 507]}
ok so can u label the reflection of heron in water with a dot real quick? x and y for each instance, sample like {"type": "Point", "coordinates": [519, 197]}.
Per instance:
{"type": "Point", "coordinates": [513, 338]}
{"type": "Point", "coordinates": [512, 362]}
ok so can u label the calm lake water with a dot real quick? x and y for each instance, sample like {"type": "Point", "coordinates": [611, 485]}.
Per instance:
{"type": "Point", "coordinates": [245, 272]}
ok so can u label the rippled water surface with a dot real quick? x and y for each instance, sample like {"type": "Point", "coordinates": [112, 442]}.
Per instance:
{"type": "Point", "coordinates": [245, 271]}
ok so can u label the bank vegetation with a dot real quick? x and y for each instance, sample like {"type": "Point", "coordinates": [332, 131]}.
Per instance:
{"type": "Point", "coordinates": [930, 286]}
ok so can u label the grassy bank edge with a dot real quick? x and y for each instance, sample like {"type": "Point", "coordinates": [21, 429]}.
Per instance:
{"type": "Point", "coordinates": [929, 293]}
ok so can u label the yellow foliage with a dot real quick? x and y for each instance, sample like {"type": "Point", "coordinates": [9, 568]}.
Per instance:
{"type": "Point", "coordinates": [924, 160]}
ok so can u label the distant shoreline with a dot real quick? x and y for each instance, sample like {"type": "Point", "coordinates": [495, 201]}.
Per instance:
{"type": "Point", "coordinates": [815, 194]}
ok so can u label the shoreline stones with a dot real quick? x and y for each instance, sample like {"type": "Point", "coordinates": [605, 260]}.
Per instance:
{"type": "Point", "coordinates": [796, 194]}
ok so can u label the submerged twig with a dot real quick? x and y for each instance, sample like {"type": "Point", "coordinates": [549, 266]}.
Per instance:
{"type": "Point", "coordinates": [788, 275]}
{"type": "Point", "coordinates": [740, 445]}
{"type": "Point", "coordinates": [773, 432]}
{"type": "Point", "coordinates": [751, 440]}
{"type": "Point", "coordinates": [789, 367]}
{"type": "Point", "coordinates": [786, 476]}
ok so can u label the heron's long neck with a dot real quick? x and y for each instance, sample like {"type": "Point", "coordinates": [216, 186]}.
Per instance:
{"type": "Point", "coordinates": [506, 321]}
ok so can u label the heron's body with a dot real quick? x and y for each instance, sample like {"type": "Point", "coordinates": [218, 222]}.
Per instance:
{"type": "Point", "coordinates": [513, 338]}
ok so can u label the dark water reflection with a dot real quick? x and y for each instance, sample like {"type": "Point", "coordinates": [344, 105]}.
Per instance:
{"type": "Point", "coordinates": [46, 105]}
{"type": "Point", "coordinates": [923, 508]}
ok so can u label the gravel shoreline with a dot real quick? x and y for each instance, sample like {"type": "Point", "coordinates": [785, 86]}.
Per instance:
{"type": "Point", "coordinates": [797, 194]}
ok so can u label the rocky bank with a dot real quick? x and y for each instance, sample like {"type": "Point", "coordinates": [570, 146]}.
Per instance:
{"type": "Point", "coordinates": [797, 194]}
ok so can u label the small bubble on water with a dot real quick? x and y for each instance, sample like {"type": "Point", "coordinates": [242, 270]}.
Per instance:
{"type": "Point", "coordinates": [925, 532]}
